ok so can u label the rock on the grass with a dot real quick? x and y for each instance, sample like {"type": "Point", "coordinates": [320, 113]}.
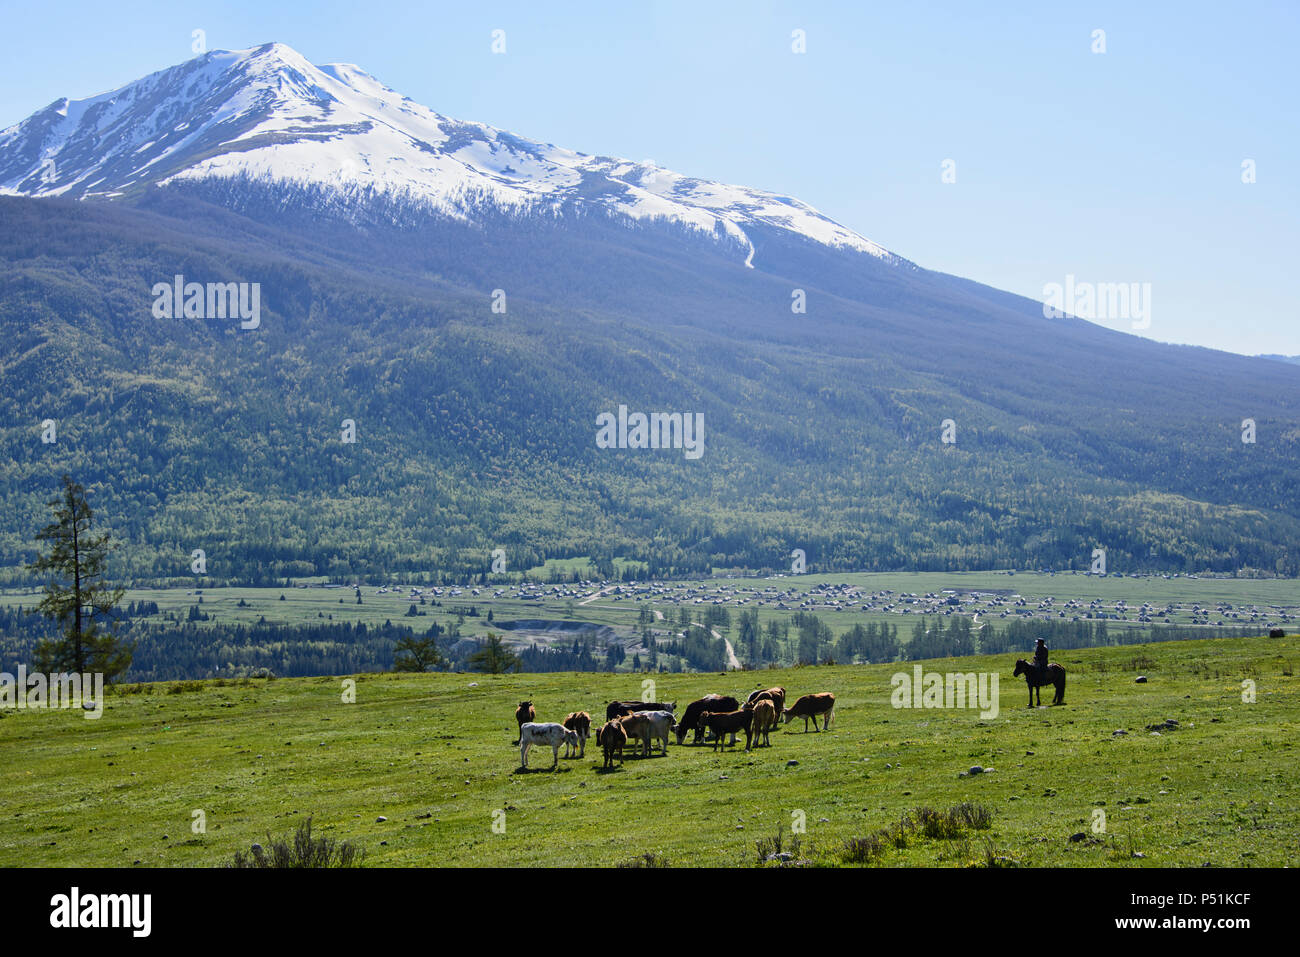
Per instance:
{"type": "Point", "coordinates": [1141, 679]}
{"type": "Point", "coordinates": [976, 769]}
{"type": "Point", "coordinates": [1118, 731]}
{"type": "Point", "coordinates": [381, 819]}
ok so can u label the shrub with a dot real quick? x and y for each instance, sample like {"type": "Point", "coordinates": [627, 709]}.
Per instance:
{"type": "Point", "coordinates": [972, 815]}
{"type": "Point", "coordinates": [648, 859]}
{"type": "Point", "coordinates": [936, 824]}
{"type": "Point", "coordinates": [940, 825]}
{"type": "Point", "coordinates": [770, 847]}
{"type": "Point", "coordinates": [864, 850]}
{"type": "Point", "coordinates": [993, 859]}
{"type": "Point", "coordinates": [302, 851]}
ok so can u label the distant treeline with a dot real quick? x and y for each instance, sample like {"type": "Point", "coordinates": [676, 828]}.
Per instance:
{"type": "Point", "coordinates": [167, 651]}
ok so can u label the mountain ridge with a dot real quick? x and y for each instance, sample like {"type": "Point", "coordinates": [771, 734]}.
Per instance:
{"type": "Point", "coordinates": [267, 114]}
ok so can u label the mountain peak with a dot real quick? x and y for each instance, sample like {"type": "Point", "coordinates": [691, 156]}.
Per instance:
{"type": "Point", "coordinates": [266, 115]}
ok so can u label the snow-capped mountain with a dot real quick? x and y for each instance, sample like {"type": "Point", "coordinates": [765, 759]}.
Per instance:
{"type": "Point", "coordinates": [267, 115]}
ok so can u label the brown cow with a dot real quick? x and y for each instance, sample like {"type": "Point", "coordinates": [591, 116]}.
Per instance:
{"type": "Point", "coordinates": [612, 738]}
{"type": "Point", "coordinates": [764, 721]}
{"type": "Point", "coordinates": [811, 705]}
{"type": "Point", "coordinates": [774, 695]}
{"type": "Point", "coordinates": [525, 713]}
{"type": "Point", "coordinates": [648, 726]}
{"type": "Point", "coordinates": [580, 722]}
{"type": "Point", "coordinates": [722, 724]}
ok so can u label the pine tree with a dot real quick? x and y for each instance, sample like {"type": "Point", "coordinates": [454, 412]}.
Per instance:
{"type": "Point", "coordinates": [494, 657]}
{"type": "Point", "coordinates": [415, 653]}
{"type": "Point", "coordinates": [76, 593]}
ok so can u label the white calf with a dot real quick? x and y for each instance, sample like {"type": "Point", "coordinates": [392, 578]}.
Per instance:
{"type": "Point", "coordinates": [549, 733]}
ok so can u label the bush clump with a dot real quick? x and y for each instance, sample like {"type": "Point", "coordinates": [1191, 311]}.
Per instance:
{"type": "Point", "coordinates": [302, 850]}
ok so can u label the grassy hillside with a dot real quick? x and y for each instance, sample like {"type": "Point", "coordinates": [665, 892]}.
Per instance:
{"type": "Point", "coordinates": [432, 755]}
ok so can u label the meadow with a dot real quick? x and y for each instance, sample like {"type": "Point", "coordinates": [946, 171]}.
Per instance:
{"type": "Point", "coordinates": [419, 770]}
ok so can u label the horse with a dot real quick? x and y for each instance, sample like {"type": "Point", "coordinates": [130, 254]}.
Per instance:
{"type": "Point", "coordinates": [1053, 674]}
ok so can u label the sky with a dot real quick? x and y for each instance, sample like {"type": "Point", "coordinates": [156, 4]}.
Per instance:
{"type": "Point", "coordinates": [992, 141]}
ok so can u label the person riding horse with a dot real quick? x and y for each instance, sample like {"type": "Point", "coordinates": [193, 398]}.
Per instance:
{"type": "Point", "coordinates": [1040, 672]}
{"type": "Point", "coordinates": [1040, 657]}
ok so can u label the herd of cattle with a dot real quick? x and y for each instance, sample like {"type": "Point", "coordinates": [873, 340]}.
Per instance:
{"type": "Point", "coordinates": [715, 717]}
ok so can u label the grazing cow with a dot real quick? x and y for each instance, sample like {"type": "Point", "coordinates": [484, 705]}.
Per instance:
{"type": "Point", "coordinates": [811, 705]}
{"type": "Point", "coordinates": [548, 733]}
{"type": "Point", "coordinates": [579, 722]}
{"type": "Point", "coordinates": [621, 709]}
{"type": "Point", "coordinates": [774, 695]}
{"type": "Point", "coordinates": [726, 723]}
{"type": "Point", "coordinates": [612, 738]}
{"type": "Point", "coordinates": [764, 721]}
{"type": "Point", "coordinates": [648, 726]}
{"type": "Point", "coordinates": [525, 713]}
{"type": "Point", "coordinates": [691, 716]}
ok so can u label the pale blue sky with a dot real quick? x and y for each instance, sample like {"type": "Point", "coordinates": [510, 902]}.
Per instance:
{"type": "Point", "coordinates": [1115, 167]}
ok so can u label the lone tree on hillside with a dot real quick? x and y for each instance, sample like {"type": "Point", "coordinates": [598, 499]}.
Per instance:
{"type": "Point", "coordinates": [418, 652]}
{"type": "Point", "coordinates": [494, 657]}
{"type": "Point", "coordinates": [76, 594]}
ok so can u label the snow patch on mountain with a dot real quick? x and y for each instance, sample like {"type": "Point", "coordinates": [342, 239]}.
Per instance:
{"type": "Point", "coordinates": [268, 115]}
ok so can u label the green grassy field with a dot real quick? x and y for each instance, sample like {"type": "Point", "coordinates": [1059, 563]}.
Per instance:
{"type": "Point", "coordinates": [432, 754]}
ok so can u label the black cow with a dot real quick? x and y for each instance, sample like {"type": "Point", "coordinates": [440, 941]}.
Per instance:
{"type": "Point", "coordinates": [619, 709]}
{"type": "Point", "coordinates": [691, 716]}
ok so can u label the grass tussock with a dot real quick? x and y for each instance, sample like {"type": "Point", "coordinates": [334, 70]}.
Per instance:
{"type": "Point", "coordinates": [302, 850]}
{"type": "Point", "coordinates": [921, 823]}
{"type": "Point", "coordinates": [184, 687]}
{"type": "Point", "coordinates": [771, 848]}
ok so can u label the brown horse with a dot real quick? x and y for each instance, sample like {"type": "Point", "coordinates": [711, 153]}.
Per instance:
{"type": "Point", "coordinates": [1053, 674]}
